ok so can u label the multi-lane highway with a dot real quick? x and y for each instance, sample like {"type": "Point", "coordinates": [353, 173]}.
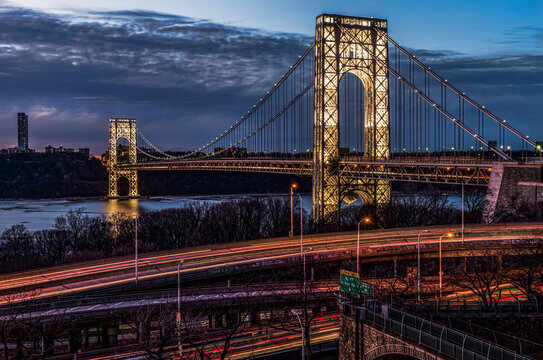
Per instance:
{"type": "Point", "coordinates": [244, 256]}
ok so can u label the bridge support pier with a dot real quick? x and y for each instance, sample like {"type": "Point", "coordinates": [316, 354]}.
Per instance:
{"type": "Point", "coordinates": [510, 186]}
{"type": "Point", "coordinates": [76, 340]}
{"type": "Point", "coordinates": [109, 336]}
{"type": "Point", "coordinates": [358, 341]}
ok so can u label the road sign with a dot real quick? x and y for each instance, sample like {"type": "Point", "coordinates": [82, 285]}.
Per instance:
{"type": "Point", "coordinates": [366, 288]}
{"type": "Point", "coordinates": [349, 282]}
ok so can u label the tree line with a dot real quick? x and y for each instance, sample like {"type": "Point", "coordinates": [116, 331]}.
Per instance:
{"type": "Point", "coordinates": [76, 236]}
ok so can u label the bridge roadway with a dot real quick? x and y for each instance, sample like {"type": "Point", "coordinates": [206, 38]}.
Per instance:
{"type": "Point", "coordinates": [216, 296]}
{"type": "Point", "coordinates": [469, 170]}
{"type": "Point", "coordinates": [252, 342]}
{"type": "Point", "coordinates": [222, 259]}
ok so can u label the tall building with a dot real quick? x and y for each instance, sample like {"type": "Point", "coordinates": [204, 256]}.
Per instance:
{"type": "Point", "coordinates": [22, 131]}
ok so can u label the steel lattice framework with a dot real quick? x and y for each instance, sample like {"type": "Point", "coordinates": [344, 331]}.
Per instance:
{"type": "Point", "coordinates": [122, 128]}
{"type": "Point", "coordinates": [337, 54]}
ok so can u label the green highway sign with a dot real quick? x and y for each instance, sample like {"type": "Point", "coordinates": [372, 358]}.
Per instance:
{"type": "Point", "coordinates": [366, 288]}
{"type": "Point", "coordinates": [349, 282]}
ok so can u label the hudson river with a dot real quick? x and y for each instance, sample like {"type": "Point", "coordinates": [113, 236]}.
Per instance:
{"type": "Point", "coordinates": [41, 214]}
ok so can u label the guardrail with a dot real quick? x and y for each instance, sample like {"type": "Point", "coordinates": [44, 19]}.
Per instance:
{"type": "Point", "coordinates": [251, 290]}
{"type": "Point", "coordinates": [477, 309]}
{"type": "Point", "coordinates": [437, 338]}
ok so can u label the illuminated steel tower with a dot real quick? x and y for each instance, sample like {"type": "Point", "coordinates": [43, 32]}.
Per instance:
{"type": "Point", "coordinates": [122, 128]}
{"type": "Point", "coordinates": [346, 44]}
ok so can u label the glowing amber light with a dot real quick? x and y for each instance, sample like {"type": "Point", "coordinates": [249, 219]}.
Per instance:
{"type": "Point", "coordinates": [367, 220]}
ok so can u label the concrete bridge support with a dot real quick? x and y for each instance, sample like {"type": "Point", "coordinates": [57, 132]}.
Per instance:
{"type": "Point", "coordinates": [75, 338]}
{"type": "Point", "coordinates": [511, 185]}
{"type": "Point", "coordinates": [358, 341]}
{"type": "Point", "coordinates": [110, 336]}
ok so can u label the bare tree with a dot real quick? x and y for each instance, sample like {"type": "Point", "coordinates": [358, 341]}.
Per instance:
{"type": "Point", "coordinates": [526, 269]}
{"type": "Point", "coordinates": [483, 275]}
{"type": "Point", "coordinates": [156, 328]}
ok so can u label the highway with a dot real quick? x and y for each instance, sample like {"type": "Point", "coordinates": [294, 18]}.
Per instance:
{"type": "Point", "coordinates": [244, 256]}
{"type": "Point", "coordinates": [252, 342]}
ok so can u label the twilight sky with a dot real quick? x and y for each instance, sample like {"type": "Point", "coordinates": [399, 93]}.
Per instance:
{"type": "Point", "coordinates": [188, 69]}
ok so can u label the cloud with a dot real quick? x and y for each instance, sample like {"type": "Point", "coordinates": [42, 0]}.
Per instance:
{"type": "Point", "coordinates": [184, 79]}
{"type": "Point", "coordinates": [524, 36]}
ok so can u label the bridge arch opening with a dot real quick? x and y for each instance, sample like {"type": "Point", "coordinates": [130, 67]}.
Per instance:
{"type": "Point", "coordinates": [352, 113]}
{"type": "Point", "coordinates": [123, 150]}
{"type": "Point", "coordinates": [123, 186]}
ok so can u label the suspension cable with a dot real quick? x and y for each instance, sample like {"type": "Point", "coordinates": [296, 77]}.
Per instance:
{"type": "Point", "coordinates": [427, 99]}
{"type": "Point", "coordinates": [458, 92]}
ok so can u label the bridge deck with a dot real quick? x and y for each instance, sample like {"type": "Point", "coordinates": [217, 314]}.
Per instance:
{"type": "Point", "coordinates": [469, 171]}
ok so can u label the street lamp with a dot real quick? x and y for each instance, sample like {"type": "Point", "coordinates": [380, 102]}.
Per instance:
{"type": "Point", "coordinates": [301, 224]}
{"type": "Point", "coordinates": [309, 249]}
{"type": "Point", "coordinates": [292, 187]}
{"type": "Point", "coordinates": [463, 211]}
{"type": "Point", "coordinates": [179, 346]}
{"type": "Point", "coordinates": [302, 328]}
{"type": "Point", "coordinates": [449, 234]}
{"type": "Point", "coordinates": [418, 263]}
{"type": "Point", "coordinates": [136, 247]}
{"type": "Point", "coordinates": [366, 220]}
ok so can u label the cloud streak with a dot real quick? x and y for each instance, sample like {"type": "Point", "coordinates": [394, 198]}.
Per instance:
{"type": "Point", "coordinates": [184, 79]}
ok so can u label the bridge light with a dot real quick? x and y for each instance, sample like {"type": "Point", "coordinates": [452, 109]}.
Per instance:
{"type": "Point", "coordinates": [483, 106]}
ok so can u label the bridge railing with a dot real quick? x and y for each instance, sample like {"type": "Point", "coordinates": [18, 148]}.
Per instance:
{"type": "Point", "coordinates": [476, 309]}
{"type": "Point", "coordinates": [435, 337]}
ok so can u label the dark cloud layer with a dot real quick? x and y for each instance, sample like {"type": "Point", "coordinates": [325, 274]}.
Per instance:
{"type": "Point", "coordinates": [184, 79]}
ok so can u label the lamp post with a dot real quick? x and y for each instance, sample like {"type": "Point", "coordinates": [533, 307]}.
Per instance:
{"type": "Point", "coordinates": [179, 346]}
{"type": "Point", "coordinates": [301, 224]}
{"type": "Point", "coordinates": [303, 255]}
{"type": "Point", "coordinates": [440, 268]}
{"type": "Point", "coordinates": [136, 248]}
{"type": "Point", "coordinates": [302, 328]}
{"type": "Point", "coordinates": [462, 212]}
{"type": "Point", "coordinates": [292, 187]}
{"type": "Point", "coordinates": [418, 263]}
{"type": "Point", "coordinates": [367, 221]}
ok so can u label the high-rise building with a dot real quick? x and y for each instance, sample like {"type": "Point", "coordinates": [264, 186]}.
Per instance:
{"type": "Point", "coordinates": [22, 131]}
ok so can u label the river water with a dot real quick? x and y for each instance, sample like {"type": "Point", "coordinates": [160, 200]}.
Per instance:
{"type": "Point", "coordinates": [41, 214]}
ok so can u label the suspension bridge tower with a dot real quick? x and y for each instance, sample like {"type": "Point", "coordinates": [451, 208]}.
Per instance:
{"type": "Point", "coordinates": [345, 44]}
{"type": "Point", "coordinates": [122, 128]}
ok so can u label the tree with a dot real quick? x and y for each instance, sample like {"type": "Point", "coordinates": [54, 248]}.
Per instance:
{"type": "Point", "coordinates": [74, 224]}
{"type": "Point", "coordinates": [52, 244]}
{"type": "Point", "coordinates": [474, 201]}
{"type": "Point", "coordinates": [156, 328]}
{"type": "Point", "coordinates": [483, 275]}
{"type": "Point", "coordinates": [17, 250]}
{"type": "Point", "coordinates": [526, 269]}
